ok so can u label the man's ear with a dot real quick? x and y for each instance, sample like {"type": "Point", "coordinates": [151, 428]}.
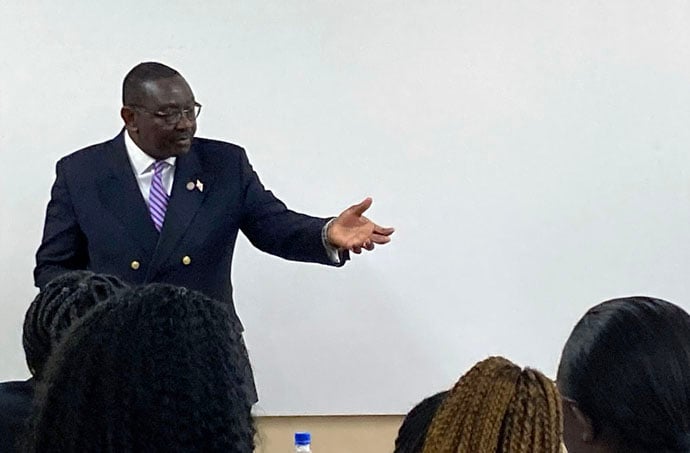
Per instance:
{"type": "Point", "coordinates": [585, 426]}
{"type": "Point", "coordinates": [128, 115]}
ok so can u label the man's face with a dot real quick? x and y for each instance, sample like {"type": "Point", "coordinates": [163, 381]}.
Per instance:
{"type": "Point", "coordinates": [150, 124]}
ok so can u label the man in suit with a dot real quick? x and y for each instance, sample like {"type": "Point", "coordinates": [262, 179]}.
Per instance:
{"type": "Point", "coordinates": [156, 204]}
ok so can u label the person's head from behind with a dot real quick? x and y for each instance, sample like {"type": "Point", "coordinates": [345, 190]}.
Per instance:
{"type": "Point", "coordinates": [160, 368]}
{"type": "Point", "coordinates": [59, 305]}
{"type": "Point", "coordinates": [159, 110]}
{"type": "Point", "coordinates": [498, 407]}
{"type": "Point", "coordinates": [625, 378]}
{"type": "Point", "coordinates": [416, 424]}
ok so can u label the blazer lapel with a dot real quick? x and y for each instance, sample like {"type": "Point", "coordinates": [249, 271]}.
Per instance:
{"type": "Point", "coordinates": [120, 194]}
{"type": "Point", "coordinates": [190, 187]}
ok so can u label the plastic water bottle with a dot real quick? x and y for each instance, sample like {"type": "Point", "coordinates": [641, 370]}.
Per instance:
{"type": "Point", "coordinates": [302, 442]}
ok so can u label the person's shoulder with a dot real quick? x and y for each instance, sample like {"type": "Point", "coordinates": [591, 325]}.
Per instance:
{"type": "Point", "coordinates": [26, 386]}
{"type": "Point", "coordinates": [218, 152]}
{"type": "Point", "coordinates": [16, 390]}
{"type": "Point", "coordinates": [207, 145]}
{"type": "Point", "coordinates": [88, 153]}
{"type": "Point", "coordinates": [15, 407]}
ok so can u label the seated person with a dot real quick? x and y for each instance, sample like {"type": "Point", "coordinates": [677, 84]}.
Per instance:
{"type": "Point", "coordinates": [413, 429]}
{"type": "Point", "coordinates": [497, 407]}
{"type": "Point", "coordinates": [52, 312]}
{"type": "Point", "coordinates": [157, 369]}
{"type": "Point", "coordinates": [625, 379]}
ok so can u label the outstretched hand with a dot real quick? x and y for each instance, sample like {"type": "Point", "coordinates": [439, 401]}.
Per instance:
{"type": "Point", "coordinates": [352, 231]}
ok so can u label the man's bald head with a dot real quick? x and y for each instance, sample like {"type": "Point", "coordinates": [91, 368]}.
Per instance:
{"type": "Point", "coordinates": [134, 85]}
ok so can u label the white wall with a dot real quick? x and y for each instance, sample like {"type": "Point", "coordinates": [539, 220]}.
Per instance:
{"type": "Point", "coordinates": [532, 154]}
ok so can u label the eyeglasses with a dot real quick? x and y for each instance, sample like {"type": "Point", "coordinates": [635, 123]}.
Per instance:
{"type": "Point", "coordinates": [172, 116]}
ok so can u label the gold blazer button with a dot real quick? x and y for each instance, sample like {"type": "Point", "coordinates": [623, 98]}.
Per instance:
{"type": "Point", "coordinates": [186, 260]}
{"type": "Point", "coordinates": [134, 265]}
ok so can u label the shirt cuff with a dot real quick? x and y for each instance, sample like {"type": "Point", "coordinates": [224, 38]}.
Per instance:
{"type": "Point", "coordinates": [331, 251]}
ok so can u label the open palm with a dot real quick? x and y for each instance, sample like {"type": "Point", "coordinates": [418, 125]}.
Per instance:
{"type": "Point", "coordinates": [351, 230]}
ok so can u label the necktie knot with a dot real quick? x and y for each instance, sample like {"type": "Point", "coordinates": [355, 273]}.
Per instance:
{"type": "Point", "coordinates": [159, 166]}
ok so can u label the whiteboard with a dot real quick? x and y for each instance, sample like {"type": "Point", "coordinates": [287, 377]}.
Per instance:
{"type": "Point", "coordinates": [533, 156]}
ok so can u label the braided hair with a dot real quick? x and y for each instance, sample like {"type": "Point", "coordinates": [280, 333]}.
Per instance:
{"type": "Point", "coordinates": [158, 369]}
{"type": "Point", "coordinates": [416, 424]}
{"type": "Point", "coordinates": [61, 302]}
{"type": "Point", "coordinates": [497, 407]}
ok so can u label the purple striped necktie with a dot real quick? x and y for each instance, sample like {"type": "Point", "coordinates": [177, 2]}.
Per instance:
{"type": "Point", "coordinates": [158, 197]}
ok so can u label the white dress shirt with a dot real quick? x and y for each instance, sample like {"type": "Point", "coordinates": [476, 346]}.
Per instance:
{"type": "Point", "coordinates": [142, 165]}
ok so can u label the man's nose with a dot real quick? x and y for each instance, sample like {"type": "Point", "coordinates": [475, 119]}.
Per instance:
{"type": "Point", "coordinates": [185, 122]}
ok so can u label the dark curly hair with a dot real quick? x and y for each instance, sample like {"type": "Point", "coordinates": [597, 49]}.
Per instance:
{"type": "Point", "coordinates": [59, 304]}
{"type": "Point", "coordinates": [158, 369]}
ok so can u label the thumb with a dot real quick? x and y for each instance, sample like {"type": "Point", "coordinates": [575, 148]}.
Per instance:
{"type": "Point", "coordinates": [359, 209]}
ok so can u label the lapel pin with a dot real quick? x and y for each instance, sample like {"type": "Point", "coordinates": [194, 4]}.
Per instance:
{"type": "Point", "coordinates": [190, 185]}
{"type": "Point", "coordinates": [200, 185]}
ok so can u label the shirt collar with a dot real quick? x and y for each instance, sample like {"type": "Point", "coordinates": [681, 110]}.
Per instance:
{"type": "Point", "coordinates": [141, 162]}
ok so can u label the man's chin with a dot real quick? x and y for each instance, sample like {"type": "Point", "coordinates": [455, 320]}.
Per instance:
{"type": "Point", "coordinates": [182, 146]}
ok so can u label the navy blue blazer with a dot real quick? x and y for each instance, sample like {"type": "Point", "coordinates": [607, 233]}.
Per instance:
{"type": "Point", "coordinates": [97, 219]}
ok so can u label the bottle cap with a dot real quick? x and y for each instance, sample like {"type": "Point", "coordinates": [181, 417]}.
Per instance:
{"type": "Point", "coordinates": [302, 438]}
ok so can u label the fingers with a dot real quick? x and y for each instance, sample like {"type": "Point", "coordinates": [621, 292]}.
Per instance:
{"type": "Point", "coordinates": [368, 245]}
{"type": "Point", "coordinates": [380, 239]}
{"type": "Point", "coordinates": [384, 231]}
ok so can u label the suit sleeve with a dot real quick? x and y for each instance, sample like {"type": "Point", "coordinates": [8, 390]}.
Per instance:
{"type": "Point", "coordinates": [272, 227]}
{"type": "Point", "coordinates": [63, 247]}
